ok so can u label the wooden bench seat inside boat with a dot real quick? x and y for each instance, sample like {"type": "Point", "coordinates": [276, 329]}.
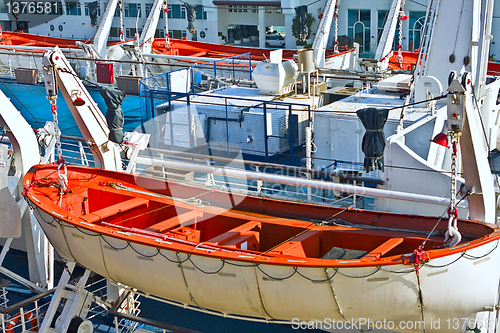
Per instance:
{"type": "Point", "coordinates": [383, 249]}
{"type": "Point", "coordinates": [243, 237]}
{"type": "Point", "coordinates": [175, 221]}
{"type": "Point", "coordinates": [304, 245]}
{"type": "Point", "coordinates": [114, 209]}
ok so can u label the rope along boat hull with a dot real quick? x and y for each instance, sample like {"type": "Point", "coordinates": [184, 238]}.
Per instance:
{"type": "Point", "coordinates": [266, 259]}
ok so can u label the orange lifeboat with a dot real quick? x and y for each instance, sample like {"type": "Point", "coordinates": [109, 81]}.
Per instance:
{"type": "Point", "coordinates": [264, 259]}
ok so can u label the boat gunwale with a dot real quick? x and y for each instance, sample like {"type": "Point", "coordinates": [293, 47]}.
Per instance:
{"type": "Point", "coordinates": [246, 256]}
{"type": "Point", "coordinates": [158, 46]}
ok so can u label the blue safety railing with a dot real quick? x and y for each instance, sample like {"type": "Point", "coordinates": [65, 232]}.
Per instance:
{"type": "Point", "coordinates": [187, 108]}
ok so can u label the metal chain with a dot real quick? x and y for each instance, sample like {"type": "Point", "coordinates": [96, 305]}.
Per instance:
{"type": "Point", "coordinates": [336, 43]}
{"type": "Point", "coordinates": [454, 140]}
{"type": "Point", "coordinates": [400, 44]}
{"type": "Point", "coordinates": [453, 235]}
{"type": "Point", "coordinates": [122, 35]}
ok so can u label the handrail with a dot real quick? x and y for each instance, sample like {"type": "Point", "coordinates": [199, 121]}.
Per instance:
{"type": "Point", "coordinates": [26, 301]}
{"type": "Point", "coordinates": [291, 168]}
{"type": "Point", "coordinates": [123, 297]}
{"type": "Point", "coordinates": [18, 52]}
{"type": "Point", "coordinates": [230, 172]}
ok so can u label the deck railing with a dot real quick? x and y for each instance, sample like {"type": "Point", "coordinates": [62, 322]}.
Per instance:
{"type": "Point", "coordinates": [77, 152]}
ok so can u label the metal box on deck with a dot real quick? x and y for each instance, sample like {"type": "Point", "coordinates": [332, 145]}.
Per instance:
{"type": "Point", "coordinates": [129, 84]}
{"type": "Point", "coordinates": [104, 72]}
{"type": "Point", "coordinates": [26, 75]}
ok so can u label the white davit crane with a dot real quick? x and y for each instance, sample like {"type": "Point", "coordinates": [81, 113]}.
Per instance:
{"type": "Point", "coordinates": [384, 48]}
{"type": "Point", "coordinates": [321, 39]}
{"type": "Point", "coordinates": [148, 32]}
{"type": "Point", "coordinates": [102, 32]}
{"type": "Point", "coordinates": [59, 74]}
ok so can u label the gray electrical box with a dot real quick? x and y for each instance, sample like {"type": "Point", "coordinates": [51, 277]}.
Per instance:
{"type": "Point", "coordinates": [456, 106]}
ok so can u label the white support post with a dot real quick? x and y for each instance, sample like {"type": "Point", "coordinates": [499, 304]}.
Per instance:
{"type": "Point", "coordinates": [309, 159]}
{"type": "Point", "coordinates": [56, 299]}
{"type": "Point", "coordinates": [262, 28]}
{"type": "Point", "coordinates": [5, 249]}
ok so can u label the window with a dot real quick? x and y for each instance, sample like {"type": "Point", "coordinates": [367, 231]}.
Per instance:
{"type": "Point", "coordinates": [6, 25]}
{"type": "Point", "coordinates": [148, 7]}
{"type": "Point", "coordinates": [275, 37]}
{"type": "Point", "coordinates": [87, 9]}
{"type": "Point", "coordinates": [178, 34]}
{"type": "Point", "coordinates": [177, 12]}
{"type": "Point", "coordinates": [130, 32]}
{"type": "Point", "coordinates": [159, 33]}
{"type": "Point", "coordinates": [203, 34]}
{"type": "Point", "coordinates": [114, 32]}
{"type": "Point", "coordinates": [358, 28]}
{"type": "Point", "coordinates": [416, 26]}
{"type": "Point", "coordinates": [278, 10]}
{"type": "Point", "coordinates": [254, 9]}
{"type": "Point", "coordinates": [269, 10]}
{"type": "Point", "coordinates": [382, 17]}
{"type": "Point", "coordinates": [200, 13]}
{"type": "Point", "coordinates": [73, 8]}
{"type": "Point", "coordinates": [132, 9]}
{"type": "Point", "coordinates": [241, 9]}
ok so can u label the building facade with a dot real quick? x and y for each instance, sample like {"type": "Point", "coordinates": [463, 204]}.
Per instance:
{"type": "Point", "coordinates": [235, 21]}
